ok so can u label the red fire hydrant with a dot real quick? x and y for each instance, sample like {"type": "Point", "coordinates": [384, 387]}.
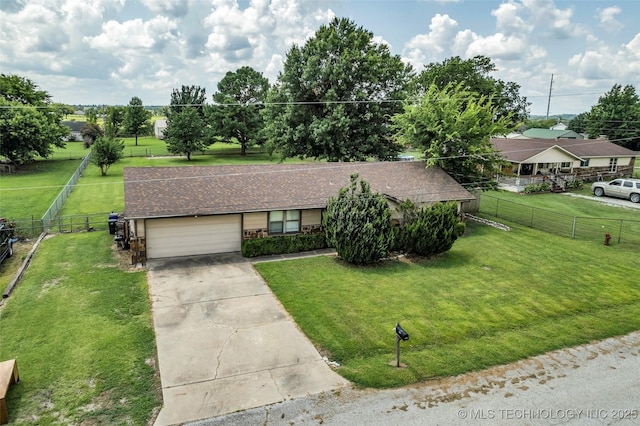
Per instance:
{"type": "Point", "coordinates": [607, 238]}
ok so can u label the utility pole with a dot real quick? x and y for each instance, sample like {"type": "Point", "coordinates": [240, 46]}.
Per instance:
{"type": "Point", "coordinates": [549, 101]}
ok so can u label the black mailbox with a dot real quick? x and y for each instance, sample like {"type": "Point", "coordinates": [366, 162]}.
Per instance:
{"type": "Point", "coordinates": [402, 335]}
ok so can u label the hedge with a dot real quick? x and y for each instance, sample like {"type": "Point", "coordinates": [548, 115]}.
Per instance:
{"type": "Point", "coordinates": [283, 244]}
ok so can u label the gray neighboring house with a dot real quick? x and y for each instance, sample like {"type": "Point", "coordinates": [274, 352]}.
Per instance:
{"type": "Point", "coordinates": [75, 128]}
{"type": "Point", "coordinates": [183, 211]}
{"type": "Point", "coordinates": [158, 128]}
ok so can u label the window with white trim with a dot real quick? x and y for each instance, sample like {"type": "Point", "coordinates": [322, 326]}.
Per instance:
{"type": "Point", "coordinates": [613, 165]}
{"type": "Point", "coordinates": [284, 221]}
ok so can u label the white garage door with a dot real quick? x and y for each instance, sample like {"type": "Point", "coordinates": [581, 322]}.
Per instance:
{"type": "Point", "coordinates": [187, 236]}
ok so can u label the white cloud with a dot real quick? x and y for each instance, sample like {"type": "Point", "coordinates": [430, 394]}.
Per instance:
{"type": "Point", "coordinates": [497, 46]}
{"type": "Point", "coordinates": [508, 20]}
{"type": "Point", "coordinates": [134, 35]}
{"type": "Point", "coordinates": [424, 47]}
{"type": "Point", "coordinates": [608, 19]}
{"type": "Point", "coordinates": [172, 8]}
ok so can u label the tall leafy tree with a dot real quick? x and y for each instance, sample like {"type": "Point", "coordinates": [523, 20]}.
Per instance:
{"type": "Point", "coordinates": [335, 95]}
{"type": "Point", "coordinates": [475, 76]}
{"type": "Point", "coordinates": [185, 133]}
{"type": "Point", "coordinates": [105, 152]}
{"type": "Point", "coordinates": [137, 120]}
{"type": "Point", "coordinates": [30, 125]}
{"type": "Point", "coordinates": [579, 123]}
{"type": "Point", "coordinates": [188, 97]}
{"type": "Point", "coordinates": [453, 126]}
{"type": "Point", "coordinates": [236, 113]}
{"type": "Point", "coordinates": [358, 223]}
{"type": "Point", "coordinates": [617, 115]}
{"type": "Point", "coordinates": [113, 120]}
{"type": "Point", "coordinates": [186, 130]}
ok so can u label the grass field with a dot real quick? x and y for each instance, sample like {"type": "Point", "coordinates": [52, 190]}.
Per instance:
{"type": "Point", "coordinates": [95, 193]}
{"type": "Point", "coordinates": [564, 215]}
{"type": "Point", "coordinates": [29, 192]}
{"type": "Point", "coordinates": [494, 298]}
{"type": "Point", "coordinates": [80, 328]}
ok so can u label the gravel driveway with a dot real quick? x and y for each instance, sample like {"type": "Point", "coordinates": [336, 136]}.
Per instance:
{"type": "Point", "coordinates": [616, 202]}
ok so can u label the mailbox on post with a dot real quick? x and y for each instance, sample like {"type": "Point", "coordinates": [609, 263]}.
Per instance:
{"type": "Point", "coordinates": [401, 334]}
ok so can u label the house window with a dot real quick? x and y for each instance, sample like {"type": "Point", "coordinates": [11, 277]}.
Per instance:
{"type": "Point", "coordinates": [585, 163]}
{"type": "Point", "coordinates": [613, 165]}
{"type": "Point", "coordinates": [284, 221]}
{"type": "Point", "coordinates": [565, 165]}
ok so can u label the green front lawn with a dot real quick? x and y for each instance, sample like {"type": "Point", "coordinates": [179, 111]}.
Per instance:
{"type": "Point", "coordinates": [496, 297]}
{"type": "Point", "coordinates": [80, 328]}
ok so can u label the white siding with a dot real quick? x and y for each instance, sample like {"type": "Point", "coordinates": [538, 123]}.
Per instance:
{"type": "Point", "coordinates": [188, 236]}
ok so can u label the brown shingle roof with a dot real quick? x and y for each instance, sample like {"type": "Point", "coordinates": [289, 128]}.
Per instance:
{"type": "Point", "coordinates": [520, 150]}
{"type": "Point", "coordinates": [197, 190]}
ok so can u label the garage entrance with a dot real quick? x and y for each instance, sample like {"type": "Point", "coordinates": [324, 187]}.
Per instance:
{"type": "Point", "coordinates": [188, 236]}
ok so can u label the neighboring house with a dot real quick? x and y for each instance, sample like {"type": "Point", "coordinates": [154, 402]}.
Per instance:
{"type": "Point", "coordinates": [516, 135]}
{"type": "Point", "coordinates": [551, 134]}
{"type": "Point", "coordinates": [180, 211]}
{"type": "Point", "coordinates": [75, 128]}
{"type": "Point", "coordinates": [559, 126]}
{"type": "Point", "coordinates": [158, 128]}
{"type": "Point", "coordinates": [532, 160]}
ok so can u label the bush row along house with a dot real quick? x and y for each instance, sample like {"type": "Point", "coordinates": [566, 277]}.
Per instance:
{"type": "Point", "coordinates": [183, 211]}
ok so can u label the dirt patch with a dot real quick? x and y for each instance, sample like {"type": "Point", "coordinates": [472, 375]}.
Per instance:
{"type": "Point", "coordinates": [123, 259]}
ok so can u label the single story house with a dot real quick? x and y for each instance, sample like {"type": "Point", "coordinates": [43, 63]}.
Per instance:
{"type": "Point", "coordinates": [585, 159]}
{"type": "Point", "coordinates": [181, 211]}
{"type": "Point", "coordinates": [158, 128]}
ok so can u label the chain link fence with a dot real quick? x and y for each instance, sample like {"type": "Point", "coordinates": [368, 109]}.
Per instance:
{"type": "Point", "coordinates": [57, 204]}
{"type": "Point", "coordinates": [31, 228]}
{"type": "Point", "coordinates": [621, 231]}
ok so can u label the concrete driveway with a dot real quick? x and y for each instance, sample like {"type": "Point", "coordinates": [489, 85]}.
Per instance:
{"type": "Point", "coordinates": [225, 343]}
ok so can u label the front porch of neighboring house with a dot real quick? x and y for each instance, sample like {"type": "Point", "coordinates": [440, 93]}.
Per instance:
{"type": "Point", "coordinates": [517, 176]}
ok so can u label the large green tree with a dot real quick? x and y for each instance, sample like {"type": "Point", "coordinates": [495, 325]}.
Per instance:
{"type": "Point", "coordinates": [193, 96]}
{"type": "Point", "coordinates": [335, 95]}
{"type": "Point", "coordinates": [113, 120]}
{"type": "Point", "coordinates": [137, 120]}
{"type": "Point", "coordinates": [30, 125]}
{"type": "Point", "coordinates": [617, 116]}
{"type": "Point", "coordinates": [358, 223]}
{"type": "Point", "coordinates": [186, 130]}
{"type": "Point", "coordinates": [185, 133]}
{"type": "Point", "coordinates": [105, 152]}
{"type": "Point", "coordinates": [454, 126]}
{"type": "Point", "coordinates": [236, 112]}
{"type": "Point", "coordinates": [475, 76]}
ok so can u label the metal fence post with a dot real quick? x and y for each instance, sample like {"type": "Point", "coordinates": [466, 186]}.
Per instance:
{"type": "Point", "coordinates": [620, 231]}
{"type": "Point", "coordinates": [532, 211]}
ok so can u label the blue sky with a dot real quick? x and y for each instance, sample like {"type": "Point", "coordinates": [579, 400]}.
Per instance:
{"type": "Point", "coordinates": [107, 51]}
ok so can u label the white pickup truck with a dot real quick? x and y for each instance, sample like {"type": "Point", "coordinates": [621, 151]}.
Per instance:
{"type": "Point", "coordinates": [621, 188]}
